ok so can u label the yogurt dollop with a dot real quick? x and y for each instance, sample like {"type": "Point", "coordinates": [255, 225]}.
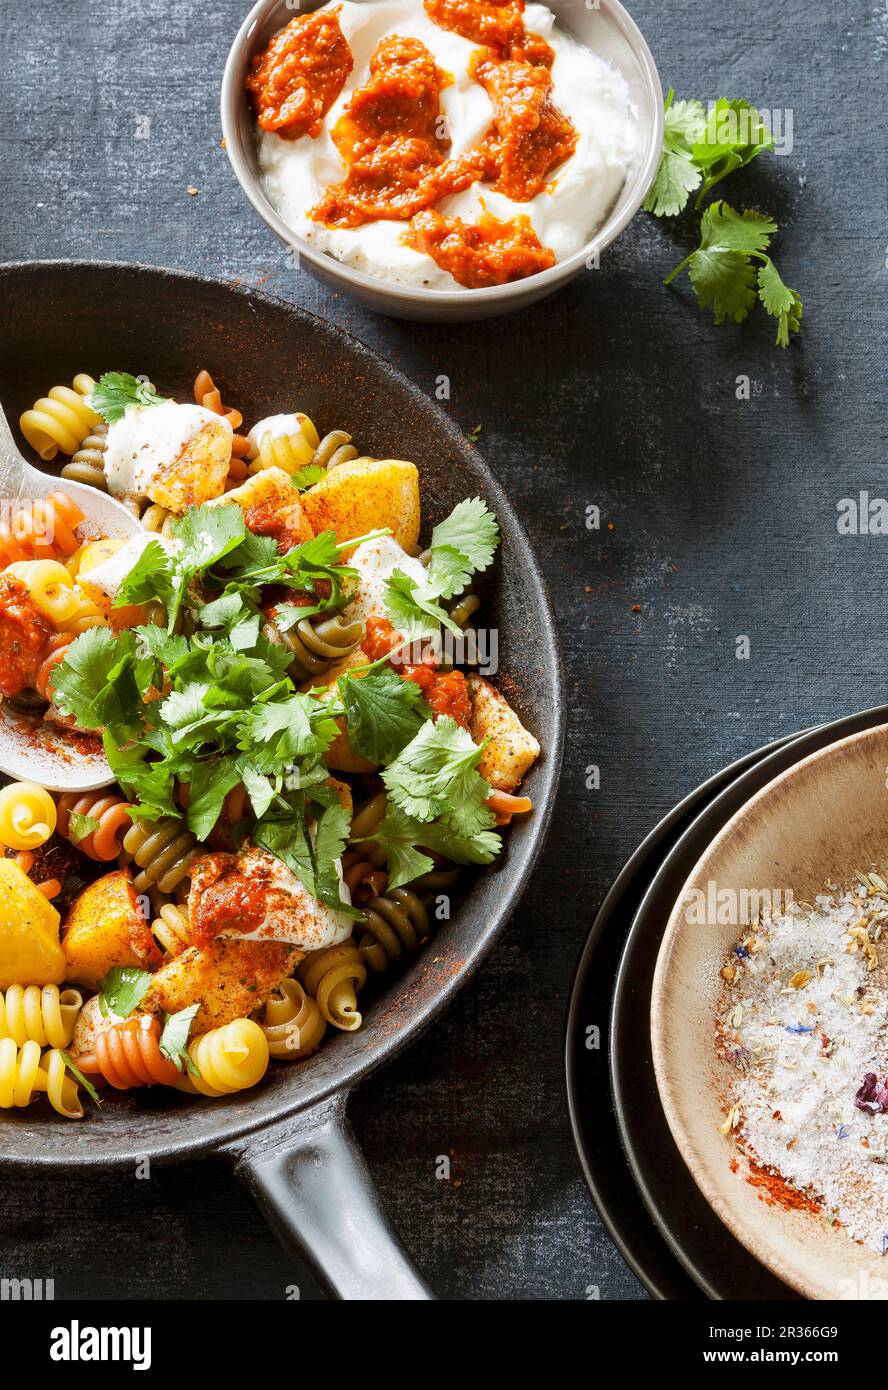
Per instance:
{"type": "Point", "coordinates": [564, 216]}
{"type": "Point", "coordinates": [145, 445]}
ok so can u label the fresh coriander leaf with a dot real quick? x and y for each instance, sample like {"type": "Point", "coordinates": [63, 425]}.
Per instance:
{"type": "Point", "coordinates": [82, 1080]}
{"type": "Point", "coordinates": [285, 728]}
{"type": "Point", "coordinates": [382, 714]}
{"type": "Point", "coordinates": [120, 706]}
{"type": "Point", "coordinates": [260, 789]}
{"type": "Point", "coordinates": [480, 848]}
{"type": "Point", "coordinates": [174, 1038]}
{"type": "Point", "coordinates": [123, 989]}
{"type": "Point", "coordinates": [309, 855]}
{"type": "Point", "coordinates": [449, 571]}
{"type": "Point", "coordinates": [185, 711]}
{"type": "Point", "coordinates": [331, 835]}
{"type": "Point", "coordinates": [81, 678]}
{"type": "Point", "coordinates": [724, 275]}
{"type": "Point", "coordinates": [149, 578]}
{"type": "Point", "coordinates": [211, 782]}
{"type": "Point", "coordinates": [780, 301]}
{"type": "Point", "coordinates": [163, 646]}
{"type": "Point", "coordinates": [699, 150]}
{"type": "Point", "coordinates": [413, 610]}
{"type": "Point", "coordinates": [206, 535]}
{"type": "Point", "coordinates": [249, 567]}
{"type": "Point", "coordinates": [461, 544]}
{"type": "Point", "coordinates": [684, 120]}
{"type": "Point", "coordinates": [403, 840]}
{"type": "Point", "coordinates": [288, 840]}
{"type": "Point", "coordinates": [235, 616]}
{"type": "Point", "coordinates": [723, 229]}
{"type": "Point", "coordinates": [677, 175]}
{"type": "Point", "coordinates": [80, 826]}
{"type": "Point", "coordinates": [244, 636]}
{"type": "Point", "coordinates": [289, 615]}
{"type": "Point", "coordinates": [725, 282]}
{"type": "Point", "coordinates": [436, 775]}
{"type": "Point", "coordinates": [720, 269]}
{"type": "Point", "coordinates": [224, 612]}
{"type": "Point", "coordinates": [308, 476]}
{"type": "Point", "coordinates": [675, 180]}
{"type": "Point", "coordinates": [472, 530]}
{"type": "Point", "coordinates": [735, 133]}
{"type": "Point", "coordinates": [151, 783]}
{"type": "Point", "coordinates": [253, 553]}
{"type": "Point", "coordinates": [114, 391]}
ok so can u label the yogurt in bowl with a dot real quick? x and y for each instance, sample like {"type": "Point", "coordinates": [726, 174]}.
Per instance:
{"type": "Point", "coordinates": [587, 92]}
{"type": "Point", "coordinates": [445, 236]}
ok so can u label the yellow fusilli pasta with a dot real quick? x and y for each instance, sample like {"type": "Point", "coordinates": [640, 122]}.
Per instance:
{"type": "Point", "coordinates": [292, 1022]}
{"type": "Point", "coordinates": [170, 928]}
{"type": "Point", "coordinates": [56, 594]}
{"type": "Point", "coordinates": [230, 1058]}
{"type": "Point", "coordinates": [333, 976]}
{"type": "Point", "coordinates": [60, 420]}
{"type": "Point", "coordinates": [27, 815]}
{"type": "Point", "coordinates": [292, 451]}
{"type": "Point", "coordinates": [45, 1016]}
{"type": "Point", "coordinates": [158, 519]}
{"type": "Point", "coordinates": [23, 1074]}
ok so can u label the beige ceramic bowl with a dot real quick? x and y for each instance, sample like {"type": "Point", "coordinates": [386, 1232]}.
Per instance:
{"type": "Point", "coordinates": [824, 818]}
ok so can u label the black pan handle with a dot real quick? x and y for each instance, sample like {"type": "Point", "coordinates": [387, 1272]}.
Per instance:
{"type": "Point", "coordinates": [312, 1184]}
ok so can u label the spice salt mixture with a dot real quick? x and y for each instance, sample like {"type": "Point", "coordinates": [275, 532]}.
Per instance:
{"type": "Point", "coordinates": [803, 1017]}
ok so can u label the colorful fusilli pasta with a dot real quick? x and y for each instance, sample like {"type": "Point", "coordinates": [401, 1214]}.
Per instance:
{"type": "Point", "coordinates": [24, 1073]}
{"type": "Point", "coordinates": [44, 1015]}
{"type": "Point", "coordinates": [111, 814]}
{"type": "Point", "coordinates": [43, 529]}
{"type": "Point", "coordinates": [332, 976]}
{"type": "Point", "coordinates": [27, 815]}
{"type": "Point", "coordinates": [163, 852]}
{"type": "Point", "coordinates": [60, 420]}
{"type": "Point", "coordinates": [292, 1022]}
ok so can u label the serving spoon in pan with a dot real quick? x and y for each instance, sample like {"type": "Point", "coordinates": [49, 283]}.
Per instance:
{"type": "Point", "coordinates": [31, 748]}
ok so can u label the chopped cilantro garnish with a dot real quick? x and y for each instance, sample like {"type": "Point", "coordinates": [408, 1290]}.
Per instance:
{"type": "Point", "coordinates": [462, 544]}
{"type": "Point", "coordinates": [123, 989]}
{"type": "Point", "coordinates": [208, 704]}
{"type": "Point", "coordinates": [82, 1080]}
{"type": "Point", "coordinates": [403, 838]}
{"type": "Point", "coordinates": [79, 826]}
{"type": "Point", "coordinates": [115, 391]}
{"type": "Point", "coordinates": [699, 150]}
{"type": "Point", "coordinates": [382, 711]}
{"type": "Point", "coordinates": [174, 1038]}
{"type": "Point", "coordinates": [436, 776]}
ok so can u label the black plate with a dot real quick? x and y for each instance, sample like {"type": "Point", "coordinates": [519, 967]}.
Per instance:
{"type": "Point", "coordinates": [706, 1250]}
{"type": "Point", "coordinates": [590, 1100]}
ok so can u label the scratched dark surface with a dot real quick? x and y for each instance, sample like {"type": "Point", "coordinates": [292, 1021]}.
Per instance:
{"type": "Point", "coordinates": [619, 393]}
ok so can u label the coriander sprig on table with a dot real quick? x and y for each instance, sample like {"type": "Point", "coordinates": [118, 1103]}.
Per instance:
{"type": "Point", "coordinates": [207, 702]}
{"type": "Point", "coordinates": [700, 150]}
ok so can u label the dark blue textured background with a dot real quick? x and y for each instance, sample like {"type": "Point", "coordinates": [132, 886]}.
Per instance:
{"type": "Point", "coordinates": [617, 392]}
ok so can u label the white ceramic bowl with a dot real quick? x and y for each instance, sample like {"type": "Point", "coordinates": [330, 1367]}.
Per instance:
{"type": "Point", "coordinates": [602, 25]}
